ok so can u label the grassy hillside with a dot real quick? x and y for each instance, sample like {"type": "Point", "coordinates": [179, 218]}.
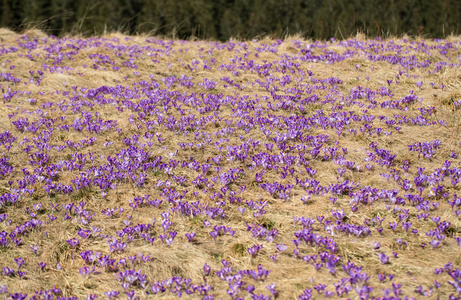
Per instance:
{"type": "Point", "coordinates": [133, 166]}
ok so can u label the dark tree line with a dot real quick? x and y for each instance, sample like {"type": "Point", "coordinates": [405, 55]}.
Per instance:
{"type": "Point", "coordinates": [223, 19]}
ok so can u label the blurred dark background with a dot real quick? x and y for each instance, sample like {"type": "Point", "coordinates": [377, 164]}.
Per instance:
{"type": "Point", "coordinates": [244, 19]}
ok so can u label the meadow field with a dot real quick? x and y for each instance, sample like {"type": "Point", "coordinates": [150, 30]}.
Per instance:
{"type": "Point", "coordinates": [139, 167]}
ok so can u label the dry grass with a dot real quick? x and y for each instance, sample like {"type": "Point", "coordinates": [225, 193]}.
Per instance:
{"type": "Point", "coordinates": [414, 265]}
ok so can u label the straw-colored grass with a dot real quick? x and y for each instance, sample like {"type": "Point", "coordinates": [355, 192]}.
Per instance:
{"type": "Point", "coordinates": [414, 265]}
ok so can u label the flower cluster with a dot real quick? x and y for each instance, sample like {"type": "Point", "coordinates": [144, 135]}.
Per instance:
{"type": "Point", "coordinates": [125, 182]}
{"type": "Point", "coordinates": [427, 149]}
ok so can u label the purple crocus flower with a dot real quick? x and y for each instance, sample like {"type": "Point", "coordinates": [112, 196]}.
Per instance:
{"type": "Point", "coordinates": [406, 225]}
{"type": "Point", "coordinates": [111, 294]}
{"type": "Point", "coordinates": [434, 243]}
{"type": "Point", "coordinates": [254, 250]}
{"type": "Point", "coordinates": [383, 258]}
{"type": "Point", "coordinates": [42, 266]}
{"type": "Point", "coordinates": [190, 236]}
{"type": "Point", "coordinates": [34, 248]}
{"type": "Point", "coordinates": [73, 242]}
{"type": "Point", "coordinates": [7, 271]}
{"type": "Point", "coordinates": [317, 266]}
{"type": "Point", "coordinates": [271, 288]}
{"type": "Point", "coordinates": [21, 274]}
{"type": "Point", "coordinates": [281, 247]}
{"type": "Point", "coordinates": [214, 234]}
{"type": "Point", "coordinates": [19, 261]}
{"type": "Point", "coordinates": [206, 269]}
{"type": "Point", "coordinates": [436, 219]}
{"type": "Point", "coordinates": [393, 225]}
{"type": "Point", "coordinates": [84, 233]}
{"type": "Point", "coordinates": [18, 296]}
